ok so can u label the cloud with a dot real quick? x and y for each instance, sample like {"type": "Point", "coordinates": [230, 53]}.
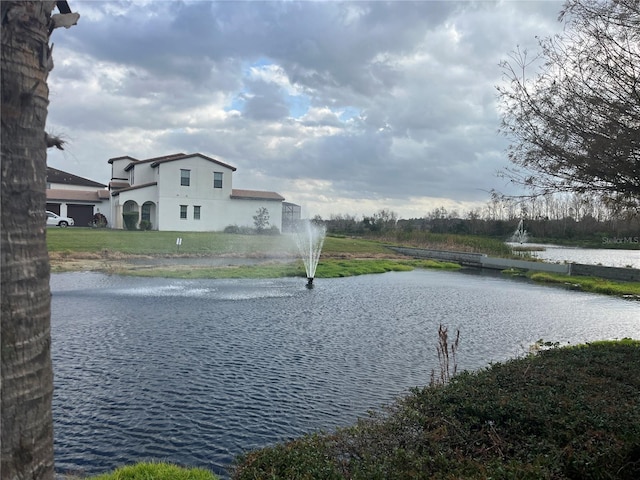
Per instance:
{"type": "Point", "coordinates": [342, 107]}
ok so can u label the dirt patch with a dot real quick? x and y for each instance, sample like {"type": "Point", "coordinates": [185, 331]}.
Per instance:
{"type": "Point", "coordinates": [117, 262]}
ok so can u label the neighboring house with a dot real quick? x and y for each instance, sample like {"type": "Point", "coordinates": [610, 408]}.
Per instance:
{"type": "Point", "coordinates": [185, 192]}
{"type": "Point", "coordinates": [79, 198]}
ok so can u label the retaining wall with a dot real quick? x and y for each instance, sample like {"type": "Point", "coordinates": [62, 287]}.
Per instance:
{"type": "Point", "coordinates": [504, 263]}
{"type": "Point", "coordinates": [612, 273]}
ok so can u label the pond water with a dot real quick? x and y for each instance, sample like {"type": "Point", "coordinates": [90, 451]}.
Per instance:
{"type": "Point", "coordinates": [196, 372]}
{"type": "Point", "coordinates": [590, 256]}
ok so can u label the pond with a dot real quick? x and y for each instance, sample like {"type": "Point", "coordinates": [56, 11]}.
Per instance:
{"type": "Point", "coordinates": [590, 256]}
{"type": "Point", "coordinates": [196, 372]}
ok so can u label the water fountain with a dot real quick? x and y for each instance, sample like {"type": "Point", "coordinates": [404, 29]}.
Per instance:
{"type": "Point", "coordinates": [520, 235]}
{"type": "Point", "coordinates": [309, 239]}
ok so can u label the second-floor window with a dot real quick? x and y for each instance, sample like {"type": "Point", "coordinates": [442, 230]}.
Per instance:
{"type": "Point", "coordinates": [217, 179]}
{"type": "Point", "coordinates": [185, 177]}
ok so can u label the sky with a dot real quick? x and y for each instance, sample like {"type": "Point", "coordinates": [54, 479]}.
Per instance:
{"type": "Point", "coordinates": [344, 108]}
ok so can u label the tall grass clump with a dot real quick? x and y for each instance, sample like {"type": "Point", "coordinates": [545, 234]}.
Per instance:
{"type": "Point", "coordinates": [156, 471]}
{"type": "Point", "coordinates": [447, 357]}
{"type": "Point", "coordinates": [448, 241]}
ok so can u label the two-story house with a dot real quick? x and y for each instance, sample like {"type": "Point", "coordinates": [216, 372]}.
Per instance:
{"type": "Point", "coordinates": [186, 192]}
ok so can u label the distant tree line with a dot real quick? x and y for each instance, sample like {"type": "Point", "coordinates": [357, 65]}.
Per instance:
{"type": "Point", "coordinates": [559, 216]}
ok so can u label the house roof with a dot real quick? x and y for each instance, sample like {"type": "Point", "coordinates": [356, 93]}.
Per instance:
{"type": "Point", "coordinates": [181, 156]}
{"type": "Point", "coordinates": [135, 187]}
{"type": "Point", "coordinates": [155, 161]}
{"type": "Point", "coordinates": [125, 157]}
{"type": "Point", "coordinates": [164, 158]}
{"type": "Point", "coordinates": [77, 195]}
{"type": "Point", "coordinates": [255, 195]}
{"type": "Point", "coordinates": [58, 176]}
{"type": "Point", "coordinates": [119, 184]}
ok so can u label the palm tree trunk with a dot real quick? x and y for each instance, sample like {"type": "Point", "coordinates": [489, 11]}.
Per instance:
{"type": "Point", "coordinates": [27, 377]}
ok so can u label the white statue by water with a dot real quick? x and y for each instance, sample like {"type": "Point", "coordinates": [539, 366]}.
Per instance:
{"type": "Point", "coordinates": [309, 240]}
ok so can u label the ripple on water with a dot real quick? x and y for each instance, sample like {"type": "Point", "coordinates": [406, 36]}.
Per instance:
{"type": "Point", "coordinates": [196, 372]}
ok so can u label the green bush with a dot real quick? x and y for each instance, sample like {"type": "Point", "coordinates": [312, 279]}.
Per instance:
{"type": "Point", "coordinates": [130, 220]}
{"type": "Point", "coordinates": [156, 471]}
{"type": "Point", "coordinates": [145, 225]}
{"type": "Point", "coordinates": [232, 229]}
{"type": "Point", "coordinates": [273, 230]}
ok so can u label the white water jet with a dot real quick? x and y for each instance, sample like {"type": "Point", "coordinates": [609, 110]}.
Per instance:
{"type": "Point", "coordinates": [309, 239]}
{"type": "Point", "coordinates": [520, 235]}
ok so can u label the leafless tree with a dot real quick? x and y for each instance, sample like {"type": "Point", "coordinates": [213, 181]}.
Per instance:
{"type": "Point", "coordinates": [575, 123]}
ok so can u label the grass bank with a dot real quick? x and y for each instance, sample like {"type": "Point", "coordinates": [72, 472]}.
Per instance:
{"type": "Point", "coordinates": [105, 242]}
{"type": "Point", "coordinates": [447, 241]}
{"type": "Point", "coordinates": [156, 471]}
{"type": "Point", "coordinates": [589, 284]}
{"type": "Point", "coordinates": [565, 413]}
{"type": "Point", "coordinates": [330, 268]}
{"type": "Point", "coordinates": [108, 251]}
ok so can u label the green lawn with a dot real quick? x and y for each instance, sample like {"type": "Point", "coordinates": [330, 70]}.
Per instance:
{"type": "Point", "coordinates": [161, 243]}
{"type": "Point", "coordinates": [90, 240]}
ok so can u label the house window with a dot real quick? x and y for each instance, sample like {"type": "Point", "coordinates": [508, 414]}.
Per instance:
{"type": "Point", "coordinates": [146, 212]}
{"type": "Point", "coordinates": [217, 179]}
{"type": "Point", "coordinates": [183, 212]}
{"type": "Point", "coordinates": [132, 177]}
{"type": "Point", "coordinates": [185, 177]}
{"type": "Point", "coordinates": [196, 212]}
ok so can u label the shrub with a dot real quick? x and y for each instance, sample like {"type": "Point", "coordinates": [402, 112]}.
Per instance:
{"type": "Point", "coordinates": [235, 229]}
{"type": "Point", "coordinates": [273, 230]}
{"type": "Point", "coordinates": [130, 220]}
{"type": "Point", "coordinates": [232, 229]}
{"type": "Point", "coordinates": [145, 225]}
{"type": "Point", "coordinates": [99, 221]}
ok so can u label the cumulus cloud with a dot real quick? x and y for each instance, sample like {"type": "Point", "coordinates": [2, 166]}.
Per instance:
{"type": "Point", "coordinates": [342, 107]}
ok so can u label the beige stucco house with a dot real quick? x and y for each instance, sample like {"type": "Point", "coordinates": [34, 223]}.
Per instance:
{"type": "Point", "coordinates": [186, 192]}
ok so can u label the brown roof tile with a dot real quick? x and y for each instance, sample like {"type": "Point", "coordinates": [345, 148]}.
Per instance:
{"type": "Point", "coordinates": [77, 195]}
{"type": "Point", "coordinates": [255, 195]}
{"type": "Point", "coordinates": [135, 187]}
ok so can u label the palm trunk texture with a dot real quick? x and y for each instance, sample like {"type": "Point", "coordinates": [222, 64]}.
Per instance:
{"type": "Point", "coordinates": [27, 377]}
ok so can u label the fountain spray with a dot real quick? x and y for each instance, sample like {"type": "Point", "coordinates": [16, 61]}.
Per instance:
{"type": "Point", "coordinates": [309, 240]}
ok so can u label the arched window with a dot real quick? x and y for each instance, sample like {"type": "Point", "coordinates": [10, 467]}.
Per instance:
{"type": "Point", "coordinates": [146, 211]}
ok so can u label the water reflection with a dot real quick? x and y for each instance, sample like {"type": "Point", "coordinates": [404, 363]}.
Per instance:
{"type": "Point", "coordinates": [589, 256]}
{"type": "Point", "coordinates": [195, 372]}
